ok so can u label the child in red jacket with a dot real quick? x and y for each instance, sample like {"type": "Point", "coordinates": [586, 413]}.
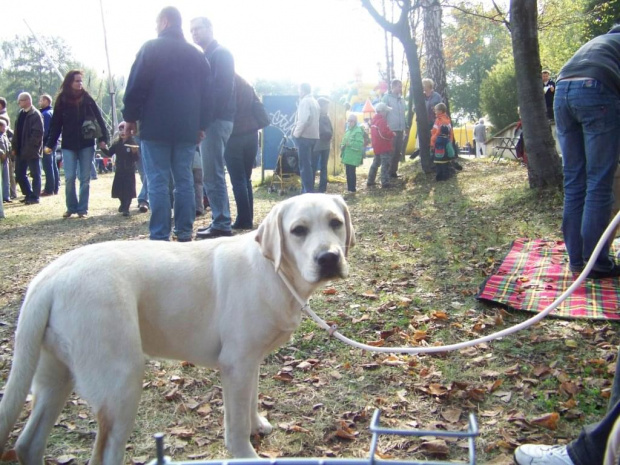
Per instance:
{"type": "Point", "coordinates": [381, 140]}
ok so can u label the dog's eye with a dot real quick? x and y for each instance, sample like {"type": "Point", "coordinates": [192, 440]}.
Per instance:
{"type": "Point", "coordinates": [335, 223]}
{"type": "Point", "coordinates": [299, 231]}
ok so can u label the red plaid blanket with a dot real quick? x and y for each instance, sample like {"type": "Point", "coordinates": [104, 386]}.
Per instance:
{"type": "Point", "coordinates": [535, 272]}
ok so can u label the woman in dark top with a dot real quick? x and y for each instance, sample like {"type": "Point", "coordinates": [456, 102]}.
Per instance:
{"type": "Point", "coordinates": [74, 106]}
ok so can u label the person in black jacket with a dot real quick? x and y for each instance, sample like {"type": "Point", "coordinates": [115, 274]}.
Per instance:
{"type": "Point", "coordinates": [77, 117]}
{"type": "Point", "coordinates": [27, 142]}
{"type": "Point", "coordinates": [124, 185]}
{"type": "Point", "coordinates": [167, 92]}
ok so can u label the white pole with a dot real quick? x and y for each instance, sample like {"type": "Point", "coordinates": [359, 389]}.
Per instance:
{"type": "Point", "coordinates": [111, 80]}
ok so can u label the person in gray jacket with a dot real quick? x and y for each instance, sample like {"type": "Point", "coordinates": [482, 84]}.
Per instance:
{"type": "Point", "coordinates": [396, 122]}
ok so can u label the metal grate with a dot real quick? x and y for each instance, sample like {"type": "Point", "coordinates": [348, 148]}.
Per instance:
{"type": "Point", "coordinates": [375, 429]}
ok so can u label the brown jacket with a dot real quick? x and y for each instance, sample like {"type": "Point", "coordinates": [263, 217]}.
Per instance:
{"type": "Point", "coordinates": [28, 140]}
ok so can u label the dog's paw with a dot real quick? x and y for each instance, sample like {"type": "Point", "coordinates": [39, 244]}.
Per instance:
{"type": "Point", "coordinates": [262, 426]}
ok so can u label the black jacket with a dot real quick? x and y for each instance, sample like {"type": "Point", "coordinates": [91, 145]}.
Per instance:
{"type": "Point", "coordinates": [167, 89]}
{"type": "Point", "coordinates": [598, 59]}
{"type": "Point", "coordinates": [28, 137]}
{"type": "Point", "coordinates": [68, 119]}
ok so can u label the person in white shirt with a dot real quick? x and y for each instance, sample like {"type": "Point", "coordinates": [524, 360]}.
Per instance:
{"type": "Point", "coordinates": [306, 134]}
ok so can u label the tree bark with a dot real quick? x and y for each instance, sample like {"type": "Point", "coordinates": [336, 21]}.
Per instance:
{"type": "Point", "coordinates": [544, 164]}
{"type": "Point", "coordinates": [433, 43]}
{"type": "Point", "coordinates": [402, 31]}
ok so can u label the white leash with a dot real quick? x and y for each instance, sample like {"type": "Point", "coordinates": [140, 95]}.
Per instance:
{"type": "Point", "coordinates": [433, 349]}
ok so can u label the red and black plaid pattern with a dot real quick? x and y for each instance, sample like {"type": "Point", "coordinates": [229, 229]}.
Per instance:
{"type": "Point", "coordinates": [535, 272]}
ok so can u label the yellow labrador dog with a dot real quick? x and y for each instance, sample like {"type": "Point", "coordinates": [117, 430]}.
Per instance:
{"type": "Point", "coordinates": [218, 303]}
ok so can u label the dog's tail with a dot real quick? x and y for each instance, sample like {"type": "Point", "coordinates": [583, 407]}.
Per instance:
{"type": "Point", "coordinates": [31, 326]}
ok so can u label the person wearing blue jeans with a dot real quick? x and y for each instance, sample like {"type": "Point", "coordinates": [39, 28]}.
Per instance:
{"type": "Point", "coordinates": [73, 107]}
{"type": "Point", "coordinates": [306, 134]}
{"type": "Point", "coordinates": [143, 195]}
{"type": "Point", "coordinates": [587, 112]}
{"type": "Point", "coordinates": [240, 155]}
{"type": "Point", "coordinates": [49, 159]}
{"type": "Point", "coordinates": [212, 148]}
{"type": "Point", "coordinates": [587, 116]}
{"type": "Point", "coordinates": [171, 103]}
{"type": "Point", "coordinates": [27, 147]}
{"type": "Point", "coordinates": [320, 151]}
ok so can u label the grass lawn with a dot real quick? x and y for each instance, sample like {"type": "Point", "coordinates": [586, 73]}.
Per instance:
{"type": "Point", "coordinates": [423, 249]}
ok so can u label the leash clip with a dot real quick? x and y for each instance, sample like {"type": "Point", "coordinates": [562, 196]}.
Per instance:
{"type": "Point", "coordinates": [332, 330]}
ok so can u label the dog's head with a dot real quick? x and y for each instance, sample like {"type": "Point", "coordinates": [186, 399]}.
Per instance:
{"type": "Point", "coordinates": [311, 233]}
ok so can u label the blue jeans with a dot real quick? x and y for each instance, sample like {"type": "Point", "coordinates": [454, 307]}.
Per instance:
{"type": "Point", "coordinates": [51, 173]}
{"type": "Point", "coordinates": [163, 163]}
{"type": "Point", "coordinates": [74, 161]}
{"type": "Point", "coordinates": [143, 196]}
{"type": "Point", "coordinates": [305, 146]}
{"type": "Point", "coordinates": [240, 155]}
{"type": "Point", "coordinates": [587, 116]}
{"type": "Point", "coordinates": [21, 177]}
{"type": "Point", "coordinates": [212, 152]}
{"type": "Point", "coordinates": [319, 163]}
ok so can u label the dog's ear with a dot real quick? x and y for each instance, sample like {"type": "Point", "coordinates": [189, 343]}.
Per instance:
{"type": "Point", "coordinates": [350, 236]}
{"type": "Point", "coordinates": [270, 236]}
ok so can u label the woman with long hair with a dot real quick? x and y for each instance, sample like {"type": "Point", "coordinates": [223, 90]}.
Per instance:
{"type": "Point", "coordinates": [78, 119]}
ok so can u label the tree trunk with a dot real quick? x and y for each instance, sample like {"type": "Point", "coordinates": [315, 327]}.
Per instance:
{"type": "Point", "coordinates": [402, 31]}
{"type": "Point", "coordinates": [544, 164]}
{"type": "Point", "coordinates": [433, 42]}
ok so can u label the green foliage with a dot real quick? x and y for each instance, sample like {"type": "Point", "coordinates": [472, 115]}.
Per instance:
{"type": "Point", "coordinates": [498, 95]}
{"type": "Point", "coordinates": [276, 87]}
{"type": "Point", "coordinates": [604, 14]}
{"type": "Point", "coordinates": [24, 67]}
{"type": "Point", "coordinates": [472, 45]}
{"type": "Point", "coordinates": [562, 30]}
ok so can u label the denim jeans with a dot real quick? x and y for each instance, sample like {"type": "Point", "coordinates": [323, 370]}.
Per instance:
{"type": "Point", "coordinates": [212, 151]}
{"type": "Point", "coordinates": [319, 163]}
{"type": "Point", "coordinates": [587, 116]}
{"type": "Point", "coordinates": [32, 192]}
{"type": "Point", "coordinates": [51, 172]}
{"type": "Point", "coordinates": [589, 447]}
{"type": "Point", "coordinates": [74, 161]}
{"type": "Point", "coordinates": [305, 146]}
{"type": "Point", "coordinates": [6, 195]}
{"type": "Point", "coordinates": [143, 196]}
{"type": "Point", "coordinates": [240, 155]}
{"type": "Point", "coordinates": [163, 163]}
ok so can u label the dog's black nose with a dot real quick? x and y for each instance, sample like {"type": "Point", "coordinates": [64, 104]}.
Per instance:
{"type": "Point", "coordinates": [328, 263]}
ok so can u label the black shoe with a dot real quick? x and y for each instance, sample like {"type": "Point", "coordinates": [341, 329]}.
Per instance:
{"type": "Point", "coordinates": [613, 273]}
{"type": "Point", "coordinates": [457, 166]}
{"type": "Point", "coordinates": [143, 207]}
{"type": "Point", "coordinates": [126, 213]}
{"type": "Point", "coordinates": [31, 201]}
{"type": "Point", "coordinates": [7, 201]}
{"type": "Point", "coordinates": [189, 239]}
{"type": "Point", "coordinates": [23, 200]}
{"type": "Point", "coordinates": [242, 226]}
{"type": "Point", "coordinates": [120, 209]}
{"type": "Point", "coordinates": [211, 233]}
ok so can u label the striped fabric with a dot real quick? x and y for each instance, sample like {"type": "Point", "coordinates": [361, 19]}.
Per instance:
{"type": "Point", "coordinates": [535, 272]}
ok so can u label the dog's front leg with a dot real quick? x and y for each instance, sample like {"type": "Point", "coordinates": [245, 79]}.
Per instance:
{"type": "Point", "coordinates": [238, 380]}
{"type": "Point", "coordinates": [260, 425]}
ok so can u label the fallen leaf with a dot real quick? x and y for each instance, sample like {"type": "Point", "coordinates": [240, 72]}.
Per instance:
{"type": "Point", "coordinates": [548, 421]}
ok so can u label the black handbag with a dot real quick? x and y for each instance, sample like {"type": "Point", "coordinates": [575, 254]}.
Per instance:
{"type": "Point", "coordinates": [90, 126]}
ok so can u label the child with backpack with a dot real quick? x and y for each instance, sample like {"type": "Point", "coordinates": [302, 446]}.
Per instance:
{"type": "Point", "coordinates": [441, 142]}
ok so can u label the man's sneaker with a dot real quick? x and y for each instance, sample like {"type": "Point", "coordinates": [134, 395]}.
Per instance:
{"type": "Point", "coordinates": [538, 454]}
{"type": "Point", "coordinates": [143, 207]}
